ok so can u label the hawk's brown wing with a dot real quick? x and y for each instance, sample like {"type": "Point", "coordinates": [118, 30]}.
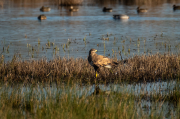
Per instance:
{"type": "Point", "coordinates": [100, 60]}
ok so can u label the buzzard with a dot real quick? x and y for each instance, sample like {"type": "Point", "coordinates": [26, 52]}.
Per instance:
{"type": "Point", "coordinates": [98, 61]}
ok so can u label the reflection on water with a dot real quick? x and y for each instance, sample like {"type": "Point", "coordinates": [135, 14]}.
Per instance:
{"type": "Point", "coordinates": [45, 91]}
{"type": "Point", "coordinates": [149, 88]}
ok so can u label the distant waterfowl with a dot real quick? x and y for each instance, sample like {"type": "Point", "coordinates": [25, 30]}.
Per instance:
{"type": "Point", "coordinates": [98, 61]}
{"type": "Point", "coordinates": [107, 9]}
{"type": "Point", "coordinates": [176, 7]}
{"type": "Point", "coordinates": [72, 9]}
{"type": "Point", "coordinates": [120, 16]}
{"type": "Point", "coordinates": [141, 10]}
{"type": "Point", "coordinates": [45, 9]}
{"type": "Point", "coordinates": [41, 17]}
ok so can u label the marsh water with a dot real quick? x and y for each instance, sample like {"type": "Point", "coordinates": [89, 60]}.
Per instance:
{"type": "Point", "coordinates": [73, 34]}
{"type": "Point", "coordinates": [46, 91]}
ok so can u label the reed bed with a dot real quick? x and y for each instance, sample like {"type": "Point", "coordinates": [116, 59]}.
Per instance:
{"type": "Point", "coordinates": [70, 2]}
{"type": "Point", "coordinates": [137, 68]}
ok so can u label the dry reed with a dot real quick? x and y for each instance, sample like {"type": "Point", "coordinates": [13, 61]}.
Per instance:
{"type": "Point", "coordinates": [70, 2]}
{"type": "Point", "coordinates": [137, 68]}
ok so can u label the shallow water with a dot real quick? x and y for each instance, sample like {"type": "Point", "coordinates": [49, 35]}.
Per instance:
{"type": "Point", "coordinates": [149, 88]}
{"type": "Point", "coordinates": [62, 33]}
{"type": "Point", "coordinates": [53, 91]}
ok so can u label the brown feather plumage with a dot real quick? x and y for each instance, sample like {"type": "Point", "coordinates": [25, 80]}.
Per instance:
{"type": "Point", "coordinates": [100, 61]}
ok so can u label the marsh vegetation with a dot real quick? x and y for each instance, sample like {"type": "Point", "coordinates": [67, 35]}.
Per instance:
{"type": "Point", "coordinates": [44, 72]}
{"type": "Point", "coordinates": [60, 88]}
{"type": "Point", "coordinates": [137, 68]}
{"type": "Point", "coordinates": [71, 100]}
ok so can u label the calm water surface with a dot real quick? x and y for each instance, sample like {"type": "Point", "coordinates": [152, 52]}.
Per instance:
{"type": "Point", "coordinates": [62, 33]}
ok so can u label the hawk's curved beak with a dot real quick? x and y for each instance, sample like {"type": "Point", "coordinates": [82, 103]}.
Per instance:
{"type": "Point", "coordinates": [95, 50]}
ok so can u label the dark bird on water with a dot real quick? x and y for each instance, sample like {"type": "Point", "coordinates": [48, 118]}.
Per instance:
{"type": "Point", "coordinates": [141, 10]}
{"type": "Point", "coordinates": [176, 7]}
{"type": "Point", "coordinates": [105, 9]}
{"type": "Point", "coordinates": [41, 17]}
{"type": "Point", "coordinates": [45, 9]}
{"type": "Point", "coordinates": [98, 61]}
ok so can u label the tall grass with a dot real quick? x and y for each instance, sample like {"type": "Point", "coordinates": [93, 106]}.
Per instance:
{"type": "Point", "coordinates": [66, 107]}
{"type": "Point", "coordinates": [34, 104]}
{"type": "Point", "coordinates": [137, 68]}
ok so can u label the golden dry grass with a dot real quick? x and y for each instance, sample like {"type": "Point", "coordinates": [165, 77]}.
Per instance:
{"type": "Point", "coordinates": [138, 68]}
{"type": "Point", "coordinates": [70, 2]}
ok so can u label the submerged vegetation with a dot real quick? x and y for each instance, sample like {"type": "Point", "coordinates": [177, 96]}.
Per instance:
{"type": "Point", "coordinates": [36, 97]}
{"type": "Point", "coordinates": [137, 68]}
{"type": "Point", "coordinates": [63, 101]}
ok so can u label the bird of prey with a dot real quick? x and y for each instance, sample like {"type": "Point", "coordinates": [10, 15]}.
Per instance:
{"type": "Point", "coordinates": [98, 61]}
